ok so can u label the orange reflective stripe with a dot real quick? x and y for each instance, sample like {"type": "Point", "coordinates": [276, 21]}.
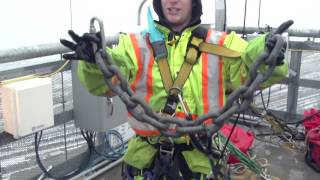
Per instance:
{"type": "Point", "coordinates": [221, 83]}
{"type": "Point", "coordinates": [221, 88]}
{"type": "Point", "coordinates": [139, 60]}
{"type": "Point", "coordinates": [183, 115]}
{"type": "Point", "coordinates": [205, 82]}
{"type": "Point", "coordinates": [205, 77]}
{"type": "Point", "coordinates": [149, 75]}
{"type": "Point", "coordinates": [208, 122]}
{"type": "Point", "coordinates": [222, 38]}
{"type": "Point", "coordinates": [142, 132]}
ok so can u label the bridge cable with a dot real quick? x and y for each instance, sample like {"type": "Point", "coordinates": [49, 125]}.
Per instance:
{"type": "Point", "coordinates": [259, 15]}
{"type": "Point", "coordinates": [244, 21]}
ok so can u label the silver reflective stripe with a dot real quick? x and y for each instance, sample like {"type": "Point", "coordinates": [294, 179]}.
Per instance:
{"type": "Point", "coordinates": [141, 87]}
{"type": "Point", "coordinates": [213, 75]}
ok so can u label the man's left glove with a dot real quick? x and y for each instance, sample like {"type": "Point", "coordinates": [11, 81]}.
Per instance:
{"type": "Point", "coordinates": [271, 41]}
{"type": "Point", "coordinates": [83, 46]}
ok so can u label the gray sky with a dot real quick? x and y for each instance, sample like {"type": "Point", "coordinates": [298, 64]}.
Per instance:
{"type": "Point", "coordinates": [33, 22]}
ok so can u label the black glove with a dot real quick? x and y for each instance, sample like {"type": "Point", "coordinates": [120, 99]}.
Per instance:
{"type": "Point", "coordinates": [83, 46]}
{"type": "Point", "coordinates": [271, 40]}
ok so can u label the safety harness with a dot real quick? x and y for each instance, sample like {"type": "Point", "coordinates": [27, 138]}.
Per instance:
{"type": "Point", "coordinates": [169, 160]}
{"type": "Point", "coordinates": [195, 46]}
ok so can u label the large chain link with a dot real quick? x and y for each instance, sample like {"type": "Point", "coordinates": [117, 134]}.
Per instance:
{"type": "Point", "coordinates": [141, 111]}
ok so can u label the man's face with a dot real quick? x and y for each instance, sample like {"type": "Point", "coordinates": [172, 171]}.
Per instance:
{"type": "Point", "coordinates": [177, 12]}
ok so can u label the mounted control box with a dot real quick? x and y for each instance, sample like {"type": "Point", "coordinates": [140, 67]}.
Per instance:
{"type": "Point", "coordinates": [96, 113]}
{"type": "Point", "coordinates": [27, 106]}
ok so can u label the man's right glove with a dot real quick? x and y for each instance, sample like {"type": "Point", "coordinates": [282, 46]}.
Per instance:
{"type": "Point", "coordinates": [271, 40]}
{"type": "Point", "coordinates": [83, 46]}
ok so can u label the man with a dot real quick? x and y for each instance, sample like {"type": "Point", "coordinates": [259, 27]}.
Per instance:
{"type": "Point", "coordinates": [203, 91]}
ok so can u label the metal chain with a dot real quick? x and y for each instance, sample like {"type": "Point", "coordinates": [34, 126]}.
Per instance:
{"type": "Point", "coordinates": [141, 111]}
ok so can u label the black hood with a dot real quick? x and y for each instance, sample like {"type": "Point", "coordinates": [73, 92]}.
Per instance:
{"type": "Point", "coordinates": [196, 13]}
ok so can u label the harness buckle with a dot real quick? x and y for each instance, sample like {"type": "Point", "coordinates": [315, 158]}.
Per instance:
{"type": "Point", "coordinates": [166, 147]}
{"type": "Point", "coordinates": [171, 105]}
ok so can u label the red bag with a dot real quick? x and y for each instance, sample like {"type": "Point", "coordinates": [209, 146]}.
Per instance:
{"type": "Point", "coordinates": [311, 124]}
{"type": "Point", "coordinates": [242, 139]}
{"type": "Point", "coordinates": [313, 148]}
{"type": "Point", "coordinates": [311, 119]}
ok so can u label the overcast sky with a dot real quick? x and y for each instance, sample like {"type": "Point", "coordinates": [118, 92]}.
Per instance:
{"type": "Point", "coordinates": [33, 22]}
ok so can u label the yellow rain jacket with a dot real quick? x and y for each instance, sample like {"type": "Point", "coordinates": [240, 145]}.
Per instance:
{"type": "Point", "coordinates": [203, 91]}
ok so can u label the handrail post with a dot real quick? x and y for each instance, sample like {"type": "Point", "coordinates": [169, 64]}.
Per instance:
{"type": "Point", "coordinates": [293, 84]}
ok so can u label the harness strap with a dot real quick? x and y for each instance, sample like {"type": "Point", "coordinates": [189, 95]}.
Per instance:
{"type": "Point", "coordinates": [170, 163]}
{"type": "Point", "coordinates": [174, 87]}
{"type": "Point", "coordinates": [218, 50]}
{"type": "Point", "coordinates": [193, 53]}
{"type": "Point", "coordinates": [191, 59]}
{"type": "Point", "coordinates": [164, 166]}
{"type": "Point", "coordinates": [165, 74]}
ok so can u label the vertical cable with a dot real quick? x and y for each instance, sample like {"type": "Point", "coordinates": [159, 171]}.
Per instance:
{"type": "Point", "coordinates": [70, 9]}
{"type": "Point", "coordinates": [259, 15]}
{"type": "Point", "coordinates": [225, 16]}
{"type": "Point", "coordinates": [64, 111]}
{"type": "Point", "coordinates": [244, 20]}
{"type": "Point", "coordinates": [62, 90]}
{"type": "Point", "coordinates": [71, 27]}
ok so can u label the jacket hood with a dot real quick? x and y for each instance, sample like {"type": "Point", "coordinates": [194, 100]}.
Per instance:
{"type": "Point", "coordinates": [195, 18]}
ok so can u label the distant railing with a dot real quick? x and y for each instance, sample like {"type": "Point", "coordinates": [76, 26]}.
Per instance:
{"type": "Point", "coordinates": [291, 32]}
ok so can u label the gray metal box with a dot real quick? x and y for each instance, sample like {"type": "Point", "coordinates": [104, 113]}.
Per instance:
{"type": "Point", "coordinates": [95, 112]}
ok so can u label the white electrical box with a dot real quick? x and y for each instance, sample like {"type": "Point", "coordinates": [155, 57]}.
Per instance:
{"type": "Point", "coordinates": [27, 106]}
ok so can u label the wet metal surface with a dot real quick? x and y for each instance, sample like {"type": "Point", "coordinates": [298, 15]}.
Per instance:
{"type": "Point", "coordinates": [284, 162]}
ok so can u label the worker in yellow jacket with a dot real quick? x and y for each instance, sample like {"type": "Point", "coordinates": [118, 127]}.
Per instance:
{"type": "Point", "coordinates": [203, 91]}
